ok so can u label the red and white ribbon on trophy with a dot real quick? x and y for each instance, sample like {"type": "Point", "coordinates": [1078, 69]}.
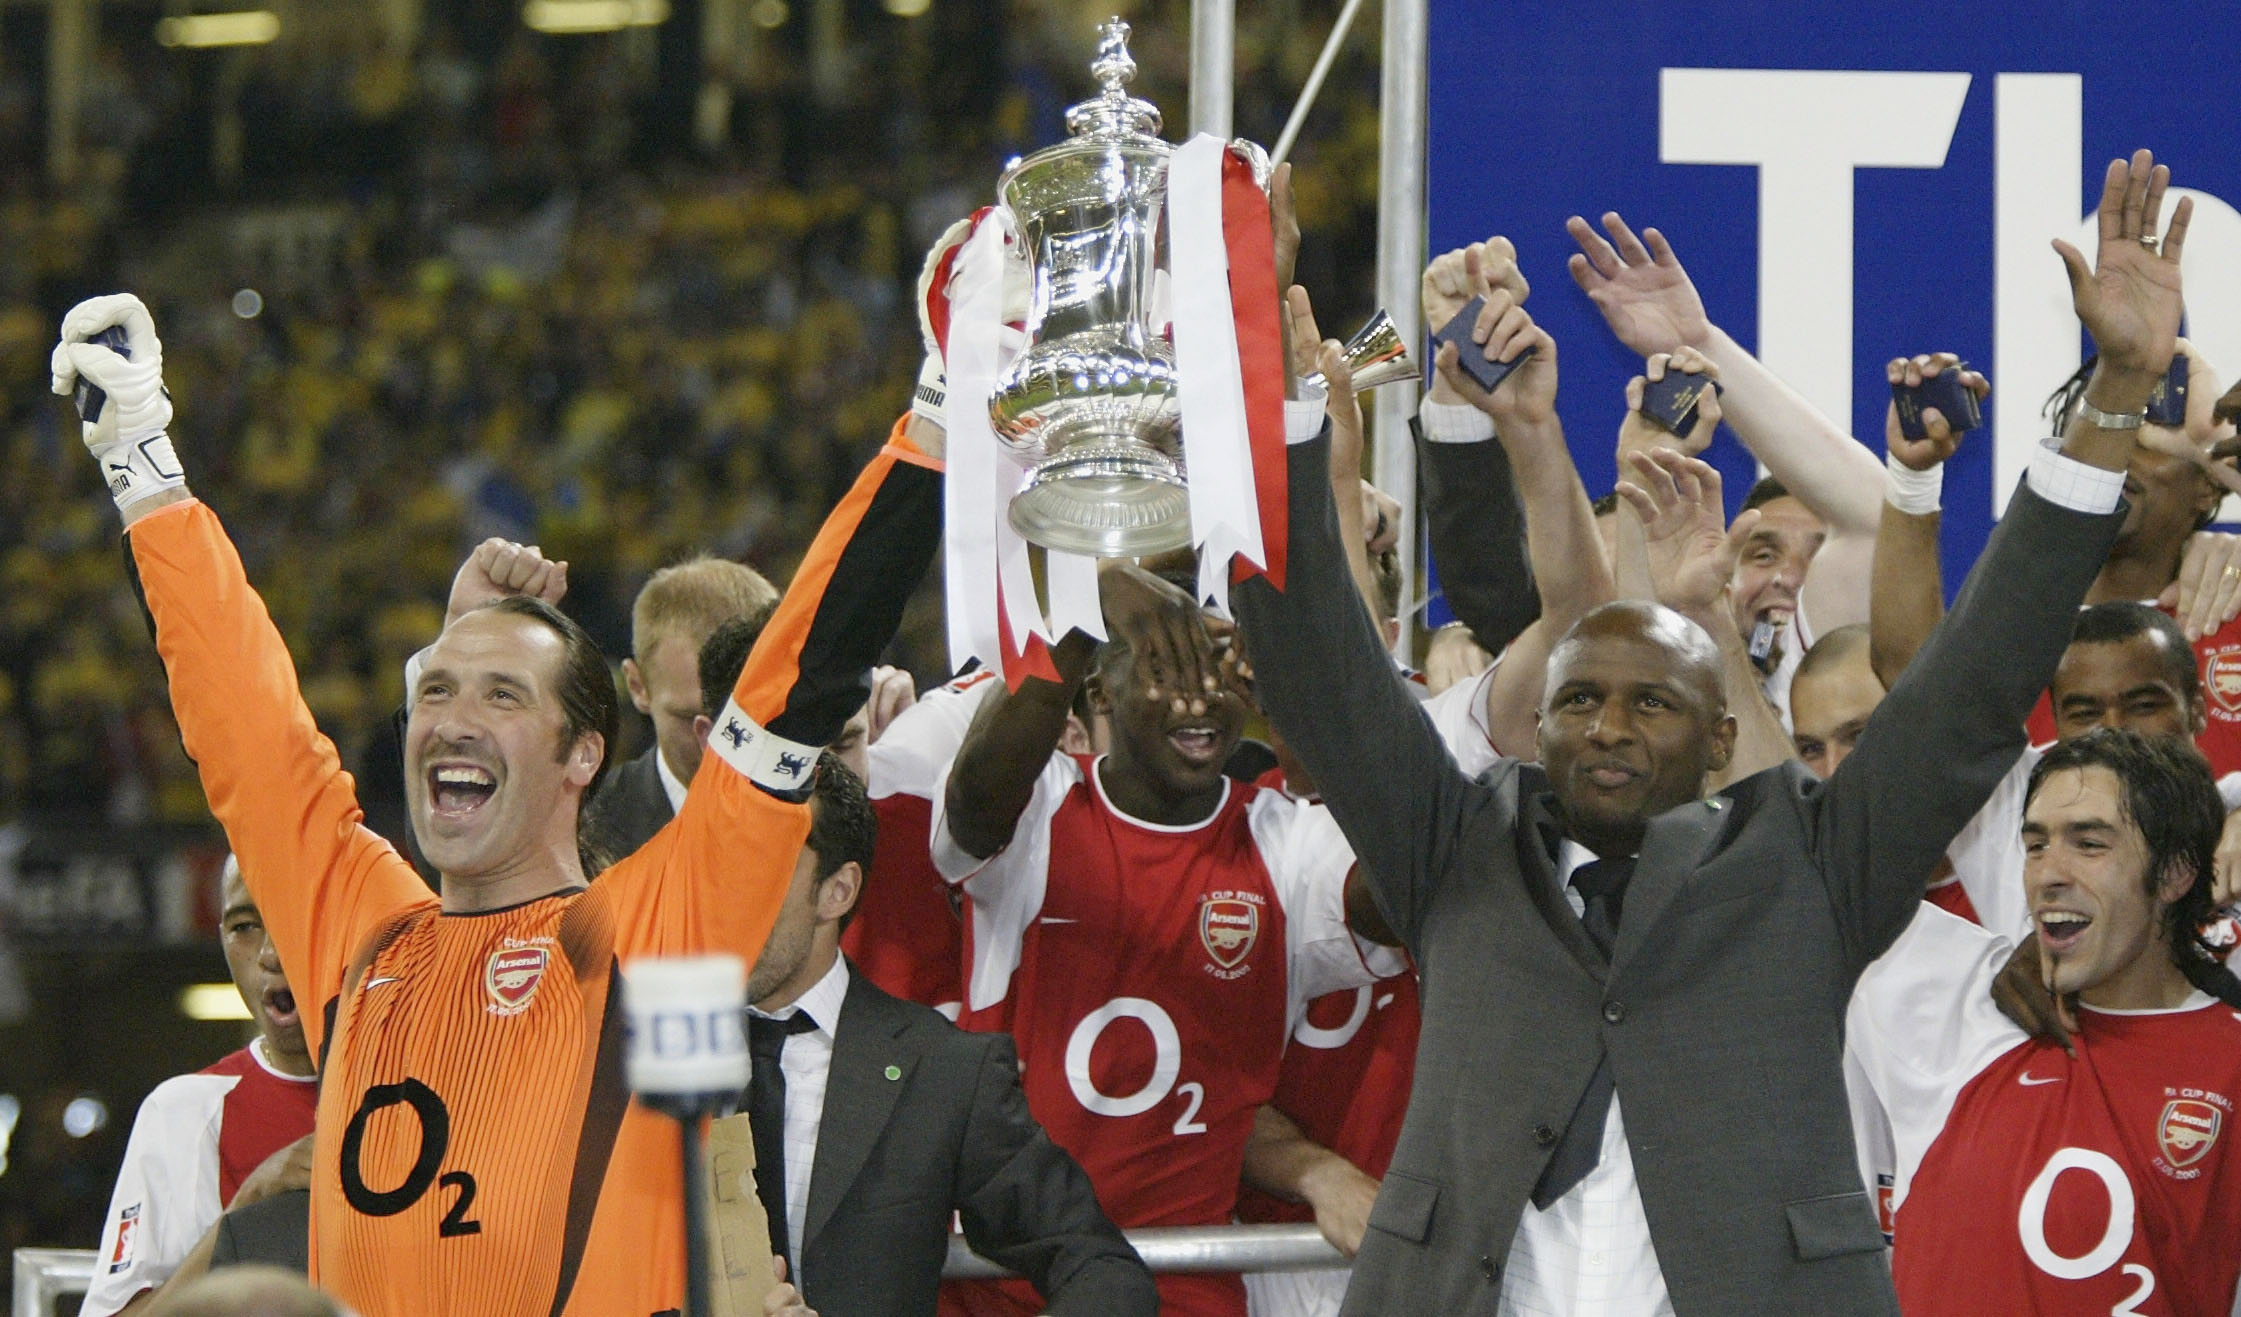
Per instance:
{"type": "Point", "coordinates": [1229, 367]}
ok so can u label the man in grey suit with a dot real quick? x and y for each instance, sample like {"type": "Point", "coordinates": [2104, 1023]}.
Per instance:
{"type": "Point", "coordinates": [875, 1118]}
{"type": "Point", "coordinates": [1593, 936]}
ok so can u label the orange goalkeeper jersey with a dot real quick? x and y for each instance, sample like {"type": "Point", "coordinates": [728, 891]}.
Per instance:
{"type": "Point", "coordinates": [477, 1152]}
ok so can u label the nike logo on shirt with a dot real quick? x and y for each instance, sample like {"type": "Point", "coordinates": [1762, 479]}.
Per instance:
{"type": "Point", "coordinates": [2030, 1081]}
{"type": "Point", "coordinates": [371, 984]}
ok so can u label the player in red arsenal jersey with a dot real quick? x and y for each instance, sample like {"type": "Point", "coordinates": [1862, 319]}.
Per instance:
{"type": "Point", "coordinates": [2096, 1179]}
{"type": "Point", "coordinates": [201, 1141]}
{"type": "Point", "coordinates": [1145, 927]}
{"type": "Point", "coordinates": [907, 936]}
{"type": "Point", "coordinates": [2174, 488]}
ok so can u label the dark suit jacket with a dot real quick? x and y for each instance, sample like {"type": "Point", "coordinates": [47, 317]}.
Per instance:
{"type": "Point", "coordinates": [922, 1118]}
{"type": "Point", "coordinates": [1721, 1009]}
{"type": "Point", "coordinates": [628, 809]}
{"type": "Point", "coordinates": [1476, 523]}
{"type": "Point", "coordinates": [274, 1232]}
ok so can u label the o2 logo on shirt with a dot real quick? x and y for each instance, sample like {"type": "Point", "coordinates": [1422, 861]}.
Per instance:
{"type": "Point", "coordinates": [2116, 1232]}
{"type": "Point", "coordinates": [1229, 923]}
{"type": "Point", "coordinates": [2188, 1129]}
{"type": "Point", "coordinates": [1167, 1065]}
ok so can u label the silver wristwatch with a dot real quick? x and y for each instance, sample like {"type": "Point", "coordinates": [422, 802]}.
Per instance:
{"type": "Point", "coordinates": [2110, 420]}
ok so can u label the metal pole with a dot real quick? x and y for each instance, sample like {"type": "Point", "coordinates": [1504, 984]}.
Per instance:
{"type": "Point", "coordinates": [696, 1221]}
{"type": "Point", "coordinates": [1400, 266]}
{"type": "Point", "coordinates": [719, 64]}
{"type": "Point", "coordinates": [1201, 1250]}
{"type": "Point", "coordinates": [1314, 85]}
{"type": "Point", "coordinates": [69, 38]}
{"type": "Point", "coordinates": [1213, 65]}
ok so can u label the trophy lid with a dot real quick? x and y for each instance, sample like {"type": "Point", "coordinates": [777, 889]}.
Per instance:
{"type": "Point", "coordinates": [1113, 113]}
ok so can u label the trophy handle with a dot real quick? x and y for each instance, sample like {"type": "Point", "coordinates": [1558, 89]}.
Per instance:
{"type": "Point", "coordinates": [1376, 355]}
{"type": "Point", "coordinates": [1252, 153]}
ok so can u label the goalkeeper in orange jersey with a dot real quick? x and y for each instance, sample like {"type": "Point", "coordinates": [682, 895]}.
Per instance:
{"type": "Point", "coordinates": [477, 1152]}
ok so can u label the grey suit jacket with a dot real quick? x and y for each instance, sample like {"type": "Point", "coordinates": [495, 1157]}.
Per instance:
{"type": "Point", "coordinates": [922, 1118]}
{"type": "Point", "coordinates": [1748, 919]}
{"type": "Point", "coordinates": [629, 808]}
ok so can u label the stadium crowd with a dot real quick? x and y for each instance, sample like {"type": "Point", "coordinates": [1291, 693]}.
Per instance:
{"type": "Point", "coordinates": [1719, 924]}
{"type": "Point", "coordinates": [484, 308]}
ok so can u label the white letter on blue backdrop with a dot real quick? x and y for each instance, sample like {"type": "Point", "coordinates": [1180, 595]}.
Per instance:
{"type": "Point", "coordinates": [1807, 130]}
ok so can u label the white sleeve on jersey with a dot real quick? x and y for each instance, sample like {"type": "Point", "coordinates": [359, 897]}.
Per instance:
{"type": "Point", "coordinates": [1871, 1129]}
{"type": "Point", "coordinates": [1458, 714]}
{"type": "Point", "coordinates": [167, 1191]}
{"type": "Point", "coordinates": [1988, 855]}
{"type": "Point", "coordinates": [1922, 1024]}
{"type": "Point", "coordinates": [1006, 889]}
{"type": "Point", "coordinates": [1308, 859]}
{"type": "Point", "coordinates": [913, 753]}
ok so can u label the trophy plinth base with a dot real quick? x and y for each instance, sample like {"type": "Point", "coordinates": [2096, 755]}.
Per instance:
{"type": "Point", "coordinates": [1108, 502]}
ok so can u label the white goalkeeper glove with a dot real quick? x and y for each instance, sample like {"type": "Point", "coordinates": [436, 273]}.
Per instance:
{"type": "Point", "coordinates": [124, 407]}
{"type": "Point", "coordinates": [933, 309]}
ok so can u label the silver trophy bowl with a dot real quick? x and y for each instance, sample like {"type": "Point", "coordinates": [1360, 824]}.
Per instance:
{"type": "Point", "coordinates": [1092, 401]}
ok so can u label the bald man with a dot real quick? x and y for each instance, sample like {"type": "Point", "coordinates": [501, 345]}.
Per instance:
{"type": "Point", "coordinates": [252, 1292]}
{"type": "Point", "coordinates": [1629, 1090]}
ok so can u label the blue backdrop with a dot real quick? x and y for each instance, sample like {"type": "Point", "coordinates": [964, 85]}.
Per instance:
{"type": "Point", "coordinates": [1543, 111]}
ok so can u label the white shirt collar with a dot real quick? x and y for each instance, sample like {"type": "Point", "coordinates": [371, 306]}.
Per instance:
{"type": "Point", "coordinates": [671, 786]}
{"type": "Point", "coordinates": [1570, 855]}
{"type": "Point", "coordinates": [822, 1001]}
{"type": "Point", "coordinates": [259, 1053]}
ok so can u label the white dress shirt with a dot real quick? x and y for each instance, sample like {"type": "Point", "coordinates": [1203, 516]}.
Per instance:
{"type": "Point", "coordinates": [672, 785]}
{"type": "Point", "coordinates": [807, 1060]}
{"type": "Point", "coordinates": [1590, 1253]}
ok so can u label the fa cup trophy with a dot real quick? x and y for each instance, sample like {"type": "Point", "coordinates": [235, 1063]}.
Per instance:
{"type": "Point", "coordinates": [1092, 401]}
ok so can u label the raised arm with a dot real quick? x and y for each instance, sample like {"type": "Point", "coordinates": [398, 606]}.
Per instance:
{"type": "Point", "coordinates": [275, 783]}
{"type": "Point", "coordinates": [713, 877]}
{"type": "Point", "coordinates": [1350, 494]}
{"type": "Point", "coordinates": [1003, 755]}
{"type": "Point", "coordinates": [1953, 725]}
{"type": "Point", "coordinates": [1473, 513]}
{"type": "Point", "coordinates": [1670, 515]}
{"type": "Point", "coordinates": [1572, 573]}
{"type": "Point", "coordinates": [1648, 300]}
{"type": "Point", "coordinates": [1325, 680]}
{"type": "Point", "coordinates": [1908, 594]}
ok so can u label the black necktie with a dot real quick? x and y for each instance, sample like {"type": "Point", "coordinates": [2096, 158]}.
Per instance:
{"type": "Point", "coordinates": [766, 1115]}
{"type": "Point", "coordinates": [1602, 885]}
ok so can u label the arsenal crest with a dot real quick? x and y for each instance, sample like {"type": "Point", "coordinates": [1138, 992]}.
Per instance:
{"type": "Point", "coordinates": [1228, 927]}
{"type": "Point", "coordinates": [2187, 1131]}
{"type": "Point", "coordinates": [2221, 678]}
{"type": "Point", "coordinates": [511, 976]}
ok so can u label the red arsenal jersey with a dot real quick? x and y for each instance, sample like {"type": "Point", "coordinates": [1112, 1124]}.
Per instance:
{"type": "Point", "coordinates": [907, 937]}
{"type": "Point", "coordinates": [1149, 975]}
{"type": "Point", "coordinates": [2218, 655]}
{"type": "Point", "coordinates": [2034, 1180]}
{"type": "Point", "coordinates": [197, 1137]}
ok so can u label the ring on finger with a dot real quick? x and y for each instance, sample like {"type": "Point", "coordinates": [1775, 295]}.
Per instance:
{"type": "Point", "coordinates": [2152, 243]}
{"type": "Point", "coordinates": [2232, 572]}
